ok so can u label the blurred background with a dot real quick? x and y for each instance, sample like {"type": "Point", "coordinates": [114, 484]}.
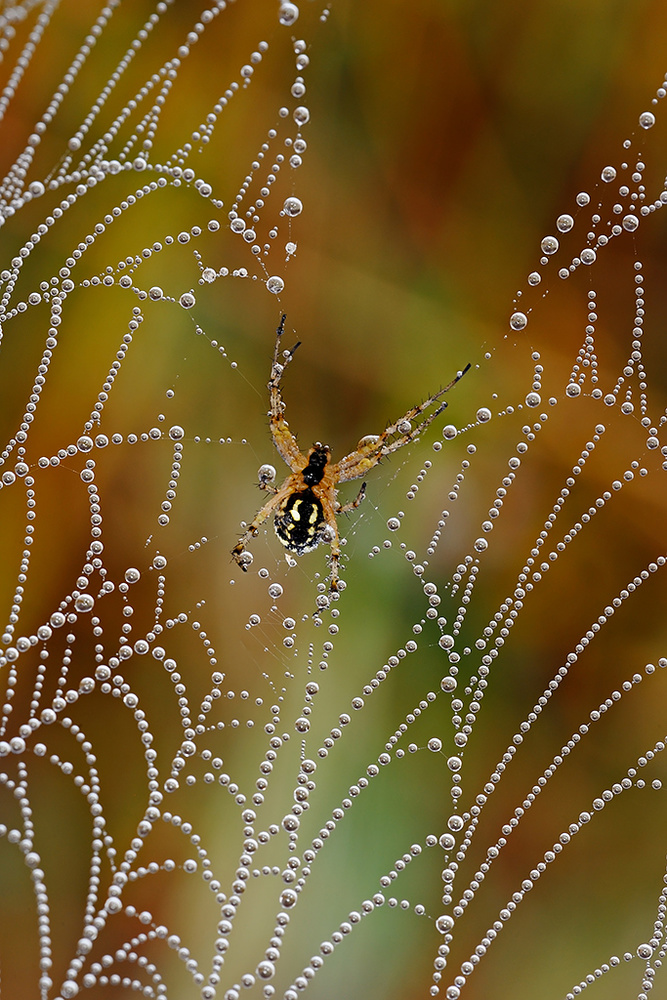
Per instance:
{"type": "Point", "coordinates": [443, 143]}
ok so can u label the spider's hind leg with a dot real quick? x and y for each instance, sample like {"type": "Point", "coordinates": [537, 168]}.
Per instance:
{"type": "Point", "coordinates": [240, 553]}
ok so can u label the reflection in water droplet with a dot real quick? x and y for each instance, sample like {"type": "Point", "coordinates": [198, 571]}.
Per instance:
{"type": "Point", "coordinates": [84, 603]}
{"type": "Point", "coordinates": [518, 321]}
{"type": "Point", "coordinates": [293, 206]}
{"type": "Point", "coordinates": [288, 13]}
{"type": "Point", "coordinates": [564, 223]}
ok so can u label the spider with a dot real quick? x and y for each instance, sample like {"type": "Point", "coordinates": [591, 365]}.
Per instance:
{"type": "Point", "coordinates": [305, 506]}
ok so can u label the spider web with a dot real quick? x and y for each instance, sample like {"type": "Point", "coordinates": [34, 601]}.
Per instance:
{"type": "Point", "coordinates": [446, 780]}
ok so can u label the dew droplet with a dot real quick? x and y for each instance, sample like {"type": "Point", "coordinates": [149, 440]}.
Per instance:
{"type": "Point", "coordinates": [292, 206]}
{"type": "Point", "coordinates": [483, 415]}
{"type": "Point", "coordinates": [266, 473]}
{"type": "Point", "coordinates": [608, 174]}
{"type": "Point", "coordinates": [647, 119]}
{"type": "Point", "coordinates": [564, 223]}
{"type": "Point", "coordinates": [630, 223]}
{"type": "Point", "coordinates": [275, 284]}
{"type": "Point", "coordinates": [549, 244]}
{"type": "Point", "coordinates": [83, 603]}
{"type": "Point", "coordinates": [288, 13]}
{"type": "Point", "coordinates": [265, 970]}
{"type": "Point", "coordinates": [518, 321]}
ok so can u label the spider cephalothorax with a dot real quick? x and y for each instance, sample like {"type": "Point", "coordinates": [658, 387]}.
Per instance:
{"type": "Point", "coordinates": [305, 505]}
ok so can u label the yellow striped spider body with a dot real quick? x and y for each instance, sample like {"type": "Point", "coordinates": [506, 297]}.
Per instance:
{"type": "Point", "coordinates": [305, 506]}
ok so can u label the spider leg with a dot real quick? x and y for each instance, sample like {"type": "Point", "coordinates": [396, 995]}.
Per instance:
{"type": "Point", "coordinates": [331, 537]}
{"type": "Point", "coordinates": [373, 449]}
{"type": "Point", "coordinates": [353, 504]}
{"type": "Point", "coordinates": [283, 438]}
{"type": "Point", "coordinates": [240, 552]}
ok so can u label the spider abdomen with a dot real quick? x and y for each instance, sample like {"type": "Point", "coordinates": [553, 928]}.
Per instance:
{"type": "Point", "coordinates": [298, 522]}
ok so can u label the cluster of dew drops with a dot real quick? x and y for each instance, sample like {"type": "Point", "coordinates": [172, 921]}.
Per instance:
{"type": "Point", "coordinates": [92, 170]}
{"type": "Point", "coordinates": [96, 164]}
{"type": "Point", "coordinates": [626, 215]}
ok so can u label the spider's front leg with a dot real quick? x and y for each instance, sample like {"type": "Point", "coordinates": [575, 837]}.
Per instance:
{"type": "Point", "coordinates": [278, 368]}
{"type": "Point", "coordinates": [283, 438]}
{"type": "Point", "coordinates": [374, 447]}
